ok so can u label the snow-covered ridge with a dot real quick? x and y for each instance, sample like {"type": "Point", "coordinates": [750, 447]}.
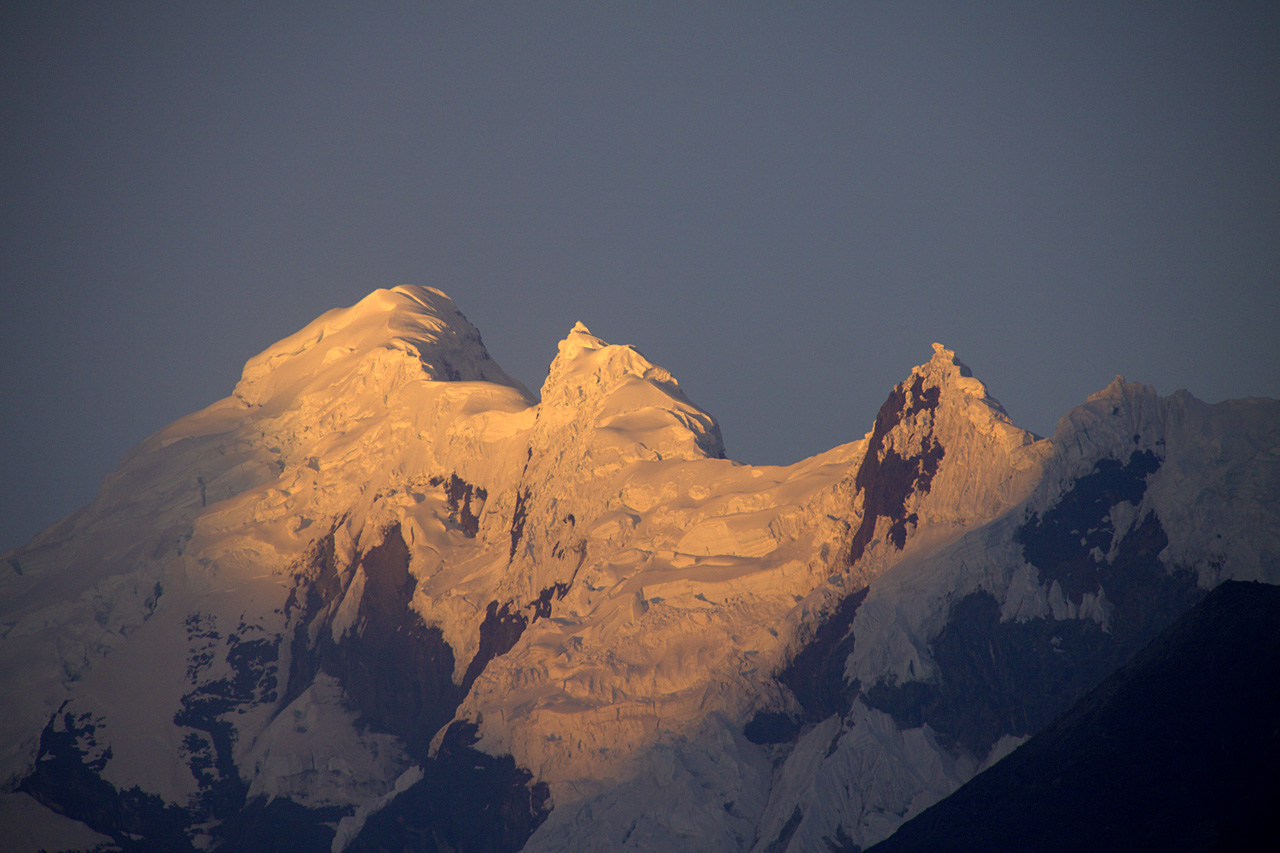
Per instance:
{"type": "Point", "coordinates": [381, 552]}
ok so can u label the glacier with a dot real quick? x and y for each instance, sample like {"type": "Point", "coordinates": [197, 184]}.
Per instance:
{"type": "Point", "coordinates": [383, 594]}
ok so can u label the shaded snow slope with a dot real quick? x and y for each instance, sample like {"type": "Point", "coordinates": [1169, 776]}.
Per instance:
{"type": "Point", "coordinates": [1103, 775]}
{"type": "Point", "coordinates": [381, 593]}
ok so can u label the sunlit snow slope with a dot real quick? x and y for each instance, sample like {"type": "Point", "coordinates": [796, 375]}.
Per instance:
{"type": "Point", "coordinates": [382, 596]}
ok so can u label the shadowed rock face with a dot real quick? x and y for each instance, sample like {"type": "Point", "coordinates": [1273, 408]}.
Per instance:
{"type": "Point", "coordinates": [67, 775]}
{"type": "Point", "coordinates": [887, 479]}
{"type": "Point", "coordinates": [1059, 542]}
{"type": "Point", "coordinates": [815, 677]}
{"type": "Point", "coordinates": [498, 633]}
{"type": "Point", "coordinates": [459, 497]}
{"type": "Point", "coordinates": [211, 754]}
{"type": "Point", "coordinates": [1013, 677]}
{"type": "Point", "coordinates": [996, 677]}
{"type": "Point", "coordinates": [779, 844]}
{"type": "Point", "coordinates": [397, 672]}
{"type": "Point", "coordinates": [278, 825]}
{"type": "Point", "coordinates": [466, 800]}
{"type": "Point", "coordinates": [518, 518]}
{"type": "Point", "coordinates": [542, 604]}
{"type": "Point", "coordinates": [66, 779]}
{"type": "Point", "coordinates": [1175, 751]}
{"type": "Point", "coordinates": [816, 674]}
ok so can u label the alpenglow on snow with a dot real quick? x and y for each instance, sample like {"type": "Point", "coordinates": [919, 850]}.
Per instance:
{"type": "Point", "coordinates": [382, 596]}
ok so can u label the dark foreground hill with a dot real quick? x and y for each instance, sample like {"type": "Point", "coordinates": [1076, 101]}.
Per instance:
{"type": "Point", "coordinates": [1178, 750]}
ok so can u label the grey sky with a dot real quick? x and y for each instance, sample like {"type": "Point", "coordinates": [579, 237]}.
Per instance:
{"type": "Point", "coordinates": [782, 204]}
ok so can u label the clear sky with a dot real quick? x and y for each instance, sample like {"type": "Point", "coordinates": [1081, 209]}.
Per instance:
{"type": "Point", "coordinates": [782, 204]}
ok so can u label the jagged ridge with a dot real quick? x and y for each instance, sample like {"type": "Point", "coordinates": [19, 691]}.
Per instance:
{"type": "Point", "coordinates": [381, 573]}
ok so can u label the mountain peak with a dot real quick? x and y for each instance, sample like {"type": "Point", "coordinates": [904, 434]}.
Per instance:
{"type": "Point", "coordinates": [575, 343]}
{"type": "Point", "coordinates": [1121, 388]}
{"type": "Point", "coordinates": [593, 379]}
{"type": "Point", "coordinates": [1111, 416]}
{"type": "Point", "coordinates": [945, 371]}
{"type": "Point", "coordinates": [946, 359]}
{"type": "Point", "coordinates": [584, 362]}
{"type": "Point", "coordinates": [944, 368]}
{"type": "Point", "coordinates": [408, 332]}
{"type": "Point", "coordinates": [940, 352]}
{"type": "Point", "coordinates": [941, 450]}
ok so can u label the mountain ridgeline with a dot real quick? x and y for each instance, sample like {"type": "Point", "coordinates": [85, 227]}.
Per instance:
{"type": "Point", "coordinates": [383, 597]}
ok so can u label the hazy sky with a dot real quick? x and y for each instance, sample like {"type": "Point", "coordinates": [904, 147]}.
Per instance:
{"type": "Point", "coordinates": [782, 204]}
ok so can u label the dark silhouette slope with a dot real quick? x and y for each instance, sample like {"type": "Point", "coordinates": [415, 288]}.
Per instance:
{"type": "Point", "coordinates": [1177, 750]}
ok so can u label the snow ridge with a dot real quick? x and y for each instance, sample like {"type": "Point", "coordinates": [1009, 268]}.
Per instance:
{"type": "Point", "coordinates": [589, 602]}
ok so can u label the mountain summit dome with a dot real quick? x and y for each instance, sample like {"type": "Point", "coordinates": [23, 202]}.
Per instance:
{"type": "Point", "coordinates": [384, 333]}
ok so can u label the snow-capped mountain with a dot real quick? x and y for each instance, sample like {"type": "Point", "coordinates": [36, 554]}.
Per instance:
{"type": "Point", "coordinates": [383, 597]}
